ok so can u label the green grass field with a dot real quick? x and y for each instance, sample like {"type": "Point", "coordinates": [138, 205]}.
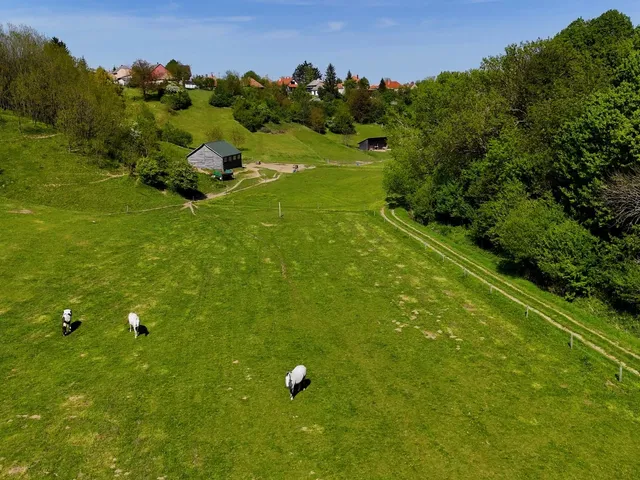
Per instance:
{"type": "Point", "coordinates": [296, 144]}
{"type": "Point", "coordinates": [416, 370]}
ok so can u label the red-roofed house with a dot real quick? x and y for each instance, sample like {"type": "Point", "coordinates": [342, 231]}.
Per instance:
{"type": "Point", "coordinates": [289, 82]}
{"type": "Point", "coordinates": [160, 73]}
{"type": "Point", "coordinates": [391, 85]}
{"type": "Point", "coordinates": [254, 83]}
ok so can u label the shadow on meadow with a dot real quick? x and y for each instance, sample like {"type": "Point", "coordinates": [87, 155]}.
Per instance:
{"type": "Point", "coordinates": [302, 387]}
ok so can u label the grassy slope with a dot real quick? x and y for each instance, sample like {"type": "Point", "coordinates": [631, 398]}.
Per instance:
{"type": "Point", "coordinates": [330, 285]}
{"type": "Point", "coordinates": [37, 168]}
{"type": "Point", "coordinates": [297, 145]}
{"type": "Point", "coordinates": [627, 334]}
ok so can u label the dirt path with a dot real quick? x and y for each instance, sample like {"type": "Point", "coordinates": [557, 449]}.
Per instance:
{"type": "Point", "coordinates": [279, 167]}
{"type": "Point", "coordinates": [108, 177]}
{"type": "Point", "coordinates": [550, 320]}
{"type": "Point", "coordinates": [253, 172]}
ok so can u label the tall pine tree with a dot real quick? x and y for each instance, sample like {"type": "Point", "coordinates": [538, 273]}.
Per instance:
{"type": "Point", "coordinates": [330, 87]}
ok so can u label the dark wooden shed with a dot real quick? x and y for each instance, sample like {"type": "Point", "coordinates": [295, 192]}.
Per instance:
{"type": "Point", "coordinates": [216, 156]}
{"type": "Point", "coordinates": [373, 143]}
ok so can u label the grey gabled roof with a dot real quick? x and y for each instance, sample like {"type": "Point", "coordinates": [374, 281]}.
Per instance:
{"type": "Point", "coordinates": [222, 148]}
{"type": "Point", "coordinates": [372, 138]}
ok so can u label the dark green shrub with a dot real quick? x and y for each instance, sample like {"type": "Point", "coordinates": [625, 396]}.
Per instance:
{"type": "Point", "coordinates": [182, 178]}
{"type": "Point", "coordinates": [179, 100]}
{"type": "Point", "coordinates": [221, 99]}
{"type": "Point", "coordinates": [619, 272]}
{"type": "Point", "coordinates": [174, 135]}
{"type": "Point", "coordinates": [342, 122]}
{"type": "Point", "coordinates": [252, 115]}
{"type": "Point", "coordinates": [152, 170]}
{"type": "Point", "coordinates": [566, 256]}
{"type": "Point", "coordinates": [520, 233]}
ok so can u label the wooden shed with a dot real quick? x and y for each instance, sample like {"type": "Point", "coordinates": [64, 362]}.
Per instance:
{"type": "Point", "coordinates": [373, 143]}
{"type": "Point", "coordinates": [216, 156]}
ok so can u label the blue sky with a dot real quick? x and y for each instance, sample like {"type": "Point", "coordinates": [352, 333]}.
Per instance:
{"type": "Point", "coordinates": [405, 39]}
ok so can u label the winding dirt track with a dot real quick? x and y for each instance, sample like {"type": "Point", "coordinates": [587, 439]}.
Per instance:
{"type": "Point", "coordinates": [421, 236]}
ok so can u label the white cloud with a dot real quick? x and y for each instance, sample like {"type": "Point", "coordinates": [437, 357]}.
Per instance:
{"type": "Point", "coordinates": [386, 22]}
{"type": "Point", "coordinates": [336, 26]}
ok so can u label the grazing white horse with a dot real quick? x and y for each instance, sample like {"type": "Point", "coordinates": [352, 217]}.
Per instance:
{"type": "Point", "coordinates": [134, 322]}
{"type": "Point", "coordinates": [66, 322]}
{"type": "Point", "coordinates": [294, 378]}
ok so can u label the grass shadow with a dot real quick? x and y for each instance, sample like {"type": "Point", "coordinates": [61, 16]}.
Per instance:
{"type": "Point", "coordinates": [301, 387]}
{"type": "Point", "coordinates": [192, 194]}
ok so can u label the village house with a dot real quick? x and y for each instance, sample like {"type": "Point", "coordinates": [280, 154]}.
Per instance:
{"type": "Point", "coordinates": [390, 84]}
{"type": "Point", "coordinates": [253, 83]}
{"type": "Point", "coordinates": [289, 82]}
{"type": "Point", "coordinates": [160, 73]}
{"type": "Point", "coordinates": [122, 75]}
{"type": "Point", "coordinates": [314, 87]}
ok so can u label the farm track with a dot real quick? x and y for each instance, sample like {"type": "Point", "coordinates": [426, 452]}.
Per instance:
{"type": "Point", "coordinates": [108, 177]}
{"type": "Point", "coordinates": [429, 241]}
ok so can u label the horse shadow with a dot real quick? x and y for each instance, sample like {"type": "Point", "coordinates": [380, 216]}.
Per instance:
{"type": "Point", "coordinates": [301, 387]}
{"type": "Point", "coordinates": [143, 330]}
{"type": "Point", "coordinates": [75, 326]}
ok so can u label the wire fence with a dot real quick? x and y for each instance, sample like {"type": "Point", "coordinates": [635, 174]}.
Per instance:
{"type": "Point", "coordinates": [527, 308]}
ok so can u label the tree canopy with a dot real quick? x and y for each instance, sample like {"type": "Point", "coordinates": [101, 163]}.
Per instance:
{"type": "Point", "coordinates": [535, 152]}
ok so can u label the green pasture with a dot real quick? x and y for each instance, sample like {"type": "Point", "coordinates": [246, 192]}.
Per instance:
{"type": "Point", "coordinates": [291, 143]}
{"type": "Point", "coordinates": [416, 371]}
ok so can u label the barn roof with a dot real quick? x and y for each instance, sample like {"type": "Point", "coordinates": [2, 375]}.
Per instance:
{"type": "Point", "coordinates": [222, 148]}
{"type": "Point", "coordinates": [372, 138]}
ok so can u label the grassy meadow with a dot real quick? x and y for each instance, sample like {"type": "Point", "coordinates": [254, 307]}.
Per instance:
{"type": "Point", "coordinates": [416, 370]}
{"type": "Point", "coordinates": [292, 144]}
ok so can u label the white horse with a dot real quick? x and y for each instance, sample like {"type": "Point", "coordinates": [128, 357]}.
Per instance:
{"type": "Point", "coordinates": [66, 322]}
{"type": "Point", "coordinates": [134, 322]}
{"type": "Point", "coordinates": [294, 378]}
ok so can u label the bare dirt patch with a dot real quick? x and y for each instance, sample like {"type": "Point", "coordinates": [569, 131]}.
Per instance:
{"type": "Point", "coordinates": [280, 167]}
{"type": "Point", "coordinates": [267, 224]}
{"type": "Point", "coordinates": [408, 299]}
{"type": "Point", "coordinates": [76, 401]}
{"type": "Point", "coordinates": [23, 211]}
{"type": "Point", "coordinates": [17, 470]}
{"type": "Point", "coordinates": [429, 334]}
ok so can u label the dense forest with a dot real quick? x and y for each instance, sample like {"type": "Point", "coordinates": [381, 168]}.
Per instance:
{"type": "Point", "coordinates": [536, 152]}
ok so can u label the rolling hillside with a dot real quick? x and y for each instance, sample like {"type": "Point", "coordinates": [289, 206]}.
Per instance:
{"type": "Point", "coordinates": [295, 143]}
{"type": "Point", "coordinates": [416, 369]}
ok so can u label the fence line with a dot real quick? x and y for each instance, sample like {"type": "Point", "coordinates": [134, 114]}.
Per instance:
{"type": "Point", "coordinates": [550, 320]}
{"type": "Point", "coordinates": [513, 287]}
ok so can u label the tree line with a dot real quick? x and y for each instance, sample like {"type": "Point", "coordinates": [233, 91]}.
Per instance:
{"type": "Point", "coordinates": [40, 80]}
{"type": "Point", "coordinates": [537, 153]}
{"type": "Point", "coordinates": [256, 108]}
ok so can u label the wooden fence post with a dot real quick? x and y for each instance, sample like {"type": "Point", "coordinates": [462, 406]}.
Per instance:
{"type": "Point", "coordinates": [526, 313]}
{"type": "Point", "coordinates": [620, 374]}
{"type": "Point", "coordinates": [571, 341]}
{"type": "Point", "coordinates": [279, 210]}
